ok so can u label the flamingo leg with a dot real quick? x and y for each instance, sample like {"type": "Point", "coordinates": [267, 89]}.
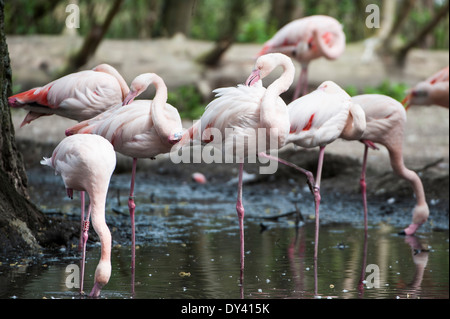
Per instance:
{"type": "Point", "coordinates": [240, 213]}
{"type": "Point", "coordinates": [132, 207]}
{"type": "Point", "coordinates": [85, 236]}
{"type": "Point", "coordinates": [309, 175]}
{"type": "Point", "coordinates": [317, 198]}
{"type": "Point", "coordinates": [80, 243]}
{"type": "Point", "coordinates": [362, 183]}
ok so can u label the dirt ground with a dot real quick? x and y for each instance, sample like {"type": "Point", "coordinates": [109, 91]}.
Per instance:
{"type": "Point", "coordinates": [426, 147]}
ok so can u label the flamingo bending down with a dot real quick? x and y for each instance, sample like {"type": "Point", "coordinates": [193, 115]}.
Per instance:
{"type": "Point", "coordinates": [86, 163]}
{"type": "Point", "coordinates": [307, 39]}
{"type": "Point", "coordinates": [432, 91]}
{"type": "Point", "coordinates": [139, 129]}
{"type": "Point", "coordinates": [239, 113]}
{"type": "Point", "coordinates": [78, 96]}
{"type": "Point", "coordinates": [386, 120]}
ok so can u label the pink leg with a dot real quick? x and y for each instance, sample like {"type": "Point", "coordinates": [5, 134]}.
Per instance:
{"type": "Point", "coordinates": [240, 213]}
{"type": "Point", "coordinates": [80, 243]}
{"type": "Point", "coordinates": [84, 241]}
{"type": "Point", "coordinates": [309, 175]}
{"type": "Point", "coordinates": [317, 198]}
{"type": "Point", "coordinates": [362, 183]}
{"type": "Point", "coordinates": [132, 207]}
{"type": "Point", "coordinates": [301, 88]}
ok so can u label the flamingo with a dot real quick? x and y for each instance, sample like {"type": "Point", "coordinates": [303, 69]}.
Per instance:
{"type": "Point", "coordinates": [78, 96]}
{"type": "Point", "coordinates": [318, 119]}
{"type": "Point", "coordinates": [307, 39]}
{"type": "Point", "coordinates": [386, 120]}
{"type": "Point", "coordinates": [139, 129]}
{"type": "Point", "coordinates": [432, 91]}
{"type": "Point", "coordinates": [86, 163]}
{"type": "Point", "coordinates": [238, 113]}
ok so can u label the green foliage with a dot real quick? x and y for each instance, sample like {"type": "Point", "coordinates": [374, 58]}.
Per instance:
{"type": "Point", "coordinates": [188, 101]}
{"type": "Point", "coordinates": [394, 90]}
{"type": "Point", "coordinates": [256, 31]}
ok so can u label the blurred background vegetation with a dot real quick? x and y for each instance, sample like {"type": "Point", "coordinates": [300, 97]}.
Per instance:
{"type": "Point", "coordinates": [406, 24]}
{"type": "Point", "coordinates": [207, 19]}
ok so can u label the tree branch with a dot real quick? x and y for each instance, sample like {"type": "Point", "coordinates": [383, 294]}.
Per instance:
{"type": "Point", "coordinates": [422, 34]}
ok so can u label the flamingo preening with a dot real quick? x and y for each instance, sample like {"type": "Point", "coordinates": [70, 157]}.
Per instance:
{"type": "Point", "coordinates": [307, 39]}
{"type": "Point", "coordinates": [78, 96]}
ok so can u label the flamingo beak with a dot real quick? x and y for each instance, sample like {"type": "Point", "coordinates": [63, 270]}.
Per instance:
{"type": "Point", "coordinates": [130, 97]}
{"type": "Point", "coordinates": [406, 101]}
{"type": "Point", "coordinates": [175, 138]}
{"type": "Point", "coordinates": [253, 78]}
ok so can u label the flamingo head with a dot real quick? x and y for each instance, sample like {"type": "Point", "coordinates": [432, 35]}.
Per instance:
{"type": "Point", "coordinates": [139, 85]}
{"type": "Point", "coordinates": [130, 97]}
{"type": "Point", "coordinates": [254, 77]}
{"type": "Point", "coordinates": [417, 96]}
{"type": "Point", "coordinates": [264, 65]}
{"type": "Point", "coordinates": [175, 137]}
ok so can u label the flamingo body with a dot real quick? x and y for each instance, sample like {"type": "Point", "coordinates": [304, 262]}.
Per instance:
{"type": "Point", "coordinates": [317, 119]}
{"type": "Point", "coordinates": [238, 109]}
{"type": "Point", "coordinates": [131, 129]}
{"type": "Point", "coordinates": [297, 39]}
{"type": "Point", "coordinates": [78, 96]}
{"type": "Point", "coordinates": [86, 163]}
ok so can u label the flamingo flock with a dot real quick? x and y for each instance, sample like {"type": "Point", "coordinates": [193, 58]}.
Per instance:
{"type": "Point", "coordinates": [111, 120]}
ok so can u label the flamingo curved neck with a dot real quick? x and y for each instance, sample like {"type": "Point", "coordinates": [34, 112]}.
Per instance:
{"type": "Point", "coordinates": [279, 86]}
{"type": "Point", "coordinates": [157, 108]}
{"type": "Point", "coordinates": [356, 123]}
{"type": "Point", "coordinates": [331, 53]}
{"type": "Point", "coordinates": [112, 71]}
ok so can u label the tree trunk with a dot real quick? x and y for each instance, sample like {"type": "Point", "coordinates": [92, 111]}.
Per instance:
{"type": "Point", "coordinates": [429, 27]}
{"type": "Point", "coordinates": [229, 28]}
{"type": "Point", "coordinates": [281, 12]}
{"type": "Point", "coordinates": [176, 17]}
{"type": "Point", "coordinates": [91, 42]}
{"type": "Point", "coordinates": [23, 228]}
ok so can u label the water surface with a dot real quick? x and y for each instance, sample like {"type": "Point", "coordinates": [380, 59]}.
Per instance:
{"type": "Point", "coordinates": [188, 248]}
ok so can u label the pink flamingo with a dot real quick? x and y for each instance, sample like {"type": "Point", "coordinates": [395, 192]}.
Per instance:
{"type": "Point", "coordinates": [386, 120]}
{"type": "Point", "coordinates": [86, 163]}
{"type": "Point", "coordinates": [78, 96]}
{"type": "Point", "coordinates": [239, 112]}
{"type": "Point", "coordinates": [307, 39]}
{"type": "Point", "coordinates": [432, 91]}
{"type": "Point", "coordinates": [139, 129]}
{"type": "Point", "coordinates": [318, 119]}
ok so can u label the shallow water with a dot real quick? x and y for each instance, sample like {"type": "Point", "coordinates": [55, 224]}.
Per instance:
{"type": "Point", "coordinates": [188, 247]}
